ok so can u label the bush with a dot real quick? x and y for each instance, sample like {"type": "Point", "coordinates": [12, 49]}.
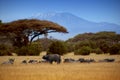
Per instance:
{"type": "Point", "coordinates": [70, 47]}
{"type": "Point", "coordinates": [115, 49]}
{"type": "Point", "coordinates": [104, 45]}
{"type": "Point", "coordinates": [32, 50]}
{"type": "Point", "coordinates": [88, 43]}
{"type": "Point", "coordinates": [5, 50]}
{"type": "Point", "coordinates": [97, 51]}
{"type": "Point", "coordinates": [57, 47]}
{"type": "Point", "coordinates": [45, 42]}
{"type": "Point", "coordinates": [85, 50]}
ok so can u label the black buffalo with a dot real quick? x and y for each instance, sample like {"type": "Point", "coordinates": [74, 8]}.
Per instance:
{"type": "Point", "coordinates": [10, 61]}
{"type": "Point", "coordinates": [82, 60]}
{"type": "Point", "coordinates": [69, 60]}
{"type": "Point", "coordinates": [52, 58]}
{"type": "Point", "coordinates": [24, 62]}
{"type": "Point", "coordinates": [107, 60]}
{"type": "Point", "coordinates": [32, 61]}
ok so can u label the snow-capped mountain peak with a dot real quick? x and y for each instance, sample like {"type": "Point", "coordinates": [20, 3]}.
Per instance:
{"type": "Point", "coordinates": [75, 24]}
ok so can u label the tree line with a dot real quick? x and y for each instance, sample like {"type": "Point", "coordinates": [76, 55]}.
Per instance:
{"type": "Point", "coordinates": [22, 32]}
{"type": "Point", "coordinates": [100, 42]}
{"type": "Point", "coordinates": [82, 44]}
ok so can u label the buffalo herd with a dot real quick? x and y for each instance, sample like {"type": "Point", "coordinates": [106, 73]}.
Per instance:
{"type": "Point", "coordinates": [50, 58]}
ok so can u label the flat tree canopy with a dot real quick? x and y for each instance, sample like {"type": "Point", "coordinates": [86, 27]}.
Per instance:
{"type": "Point", "coordinates": [29, 28]}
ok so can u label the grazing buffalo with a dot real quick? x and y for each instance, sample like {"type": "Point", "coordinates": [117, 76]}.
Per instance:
{"type": "Point", "coordinates": [10, 61]}
{"type": "Point", "coordinates": [52, 58]}
{"type": "Point", "coordinates": [43, 61]}
{"type": "Point", "coordinates": [107, 60]}
{"type": "Point", "coordinates": [69, 60]}
{"type": "Point", "coordinates": [32, 61]}
{"type": "Point", "coordinates": [24, 62]}
{"type": "Point", "coordinates": [82, 60]}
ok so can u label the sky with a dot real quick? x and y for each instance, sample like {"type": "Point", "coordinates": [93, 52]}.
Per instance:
{"type": "Point", "coordinates": [92, 10]}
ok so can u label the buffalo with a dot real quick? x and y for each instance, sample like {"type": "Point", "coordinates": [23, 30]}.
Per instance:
{"type": "Point", "coordinates": [69, 60]}
{"type": "Point", "coordinates": [82, 60]}
{"type": "Point", "coordinates": [52, 58]}
{"type": "Point", "coordinates": [107, 60]}
{"type": "Point", "coordinates": [24, 62]}
{"type": "Point", "coordinates": [32, 61]}
{"type": "Point", "coordinates": [43, 61]}
{"type": "Point", "coordinates": [10, 61]}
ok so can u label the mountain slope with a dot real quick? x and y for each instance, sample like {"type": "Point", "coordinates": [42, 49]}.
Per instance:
{"type": "Point", "coordinates": [76, 24]}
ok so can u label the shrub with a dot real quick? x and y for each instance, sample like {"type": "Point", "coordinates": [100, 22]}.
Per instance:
{"type": "Point", "coordinates": [103, 45]}
{"type": "Point", "coordinates": [85, 50]}
{"type": "Point", "coordinates": [5, 50]}
{"type": "Point", "coordinates": [97, 51]}
{"type": "Point", "coordinates": [57, 47]}
{"type": "Point", "coordinates": [32, 50]}
{"type": "Point", "coordinates": [89, 43]}
{"type": "Point", "coordinates": [70, 47]}
{"type": "Point", "coordinates": [45, 43]}
{"type": "Point", "coordinates": [115, 49]}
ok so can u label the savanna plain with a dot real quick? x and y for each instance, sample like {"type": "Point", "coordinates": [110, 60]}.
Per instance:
{"type": "Point", "coordinates": [63, 71]}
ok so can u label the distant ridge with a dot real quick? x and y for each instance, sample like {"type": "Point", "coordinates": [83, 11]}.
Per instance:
{"type": "Point", "coordinates": [76, 25]}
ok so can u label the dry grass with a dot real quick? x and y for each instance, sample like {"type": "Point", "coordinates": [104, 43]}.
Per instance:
{"type": "Point", "coordinates": [68, 71]}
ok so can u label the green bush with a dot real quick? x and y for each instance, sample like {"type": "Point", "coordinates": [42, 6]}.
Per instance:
{"type": "Point", "coordinates": [115, 49]}
{"type": "Point", "coordinates": [81, 44]}
{"type": "Point", "coordinates": [85, 50]}
{"type": "Point", "coordinates": [104, 45]}
{"type": "Point", "coordinates": [70, 47]}
{"type": "Point", "coordinates": [5, 50]}
{"type": "Point", "coordinates": [32, 50]}
{"type": "Point", "coordinates": [57, 47]}
{"type": "Point", "coordinates": [97, 51]}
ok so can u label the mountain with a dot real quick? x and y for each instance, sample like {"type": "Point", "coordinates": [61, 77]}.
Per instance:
{"type": "Point", "coordinates": [76, 25]}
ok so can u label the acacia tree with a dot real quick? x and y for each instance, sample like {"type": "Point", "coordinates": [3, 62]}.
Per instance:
{"type": "Point", "coordinates": [25, 30]}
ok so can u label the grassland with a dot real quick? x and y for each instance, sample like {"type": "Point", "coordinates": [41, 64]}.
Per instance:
{"type": "Point", "coordinates": [63, 71]}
